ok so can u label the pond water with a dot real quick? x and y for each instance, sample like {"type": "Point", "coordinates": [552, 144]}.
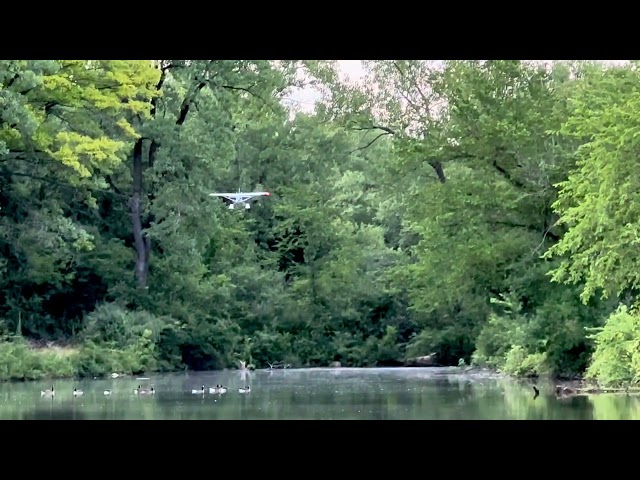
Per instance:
{"type": "Point", "coordinates": [316, 394]}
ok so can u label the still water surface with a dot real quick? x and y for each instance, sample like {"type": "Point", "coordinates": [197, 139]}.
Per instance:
{"type": "Point", "coordinates": [316, 394]}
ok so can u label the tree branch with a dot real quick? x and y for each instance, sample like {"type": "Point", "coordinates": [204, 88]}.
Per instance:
{"type": "Point", "coordinates": [390, 131]}
{"type": "Point", "coordinates": [244, 89]}
{"type": "Point", "coordinates": [435, 164]}
{"type": "Point", "coordinates": [507, 175]}
{"type": "Point", "coordinates": [13, 79]}
{"type": "Point", "coordinates": [54, 182]}
{"type": "Point", "coordinates": [370, 143]}
{"type": "Point", "coordinates": [113, 185]}
{"type": "Point", "coordinates": [163, 77]}
{"type": "Point", "coordinates": [250, 92]}
{"type": "Point", "coordinates": [546, 233]}
{"type": "Point", "coordinates": [186, 104]}
{"type": "Point", "coordinates": [417, 87]}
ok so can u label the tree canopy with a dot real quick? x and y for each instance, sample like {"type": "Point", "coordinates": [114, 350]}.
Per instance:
{"type": "Point", "coordinates": [482, 211]}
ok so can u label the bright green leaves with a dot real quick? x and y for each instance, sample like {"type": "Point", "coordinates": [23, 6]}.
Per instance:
{"type": "Point", "coordinates": [598, 200]}
{"type": "Point", "coordinates": [616, 359]}
{"type": "Point", "coordinates": [114, 86]}
{"type": "Point", "coordinates": [429, 186]}
{"type": "Point", "coordinates": [76, 112]}
{"type": "Point", "coordinates": [74, 148]}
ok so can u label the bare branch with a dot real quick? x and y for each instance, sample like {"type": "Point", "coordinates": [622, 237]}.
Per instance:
{"type": "Point", "coordinates": [186, 104]}
{"type": "Point", "coordinates": [377, 127]}
{"type": "Point", "coordinates": [244, 89]}
{"type": "Point", "coordinates": [370, 143]}
{"type": "Point", "coordinates": [437, 166]}
{"type": "Point", "coordinates": [169, 66]}
{"type": "Point", "coordinates": [414, 81]}
{"type": "Point", "coordinates": [397, 67]}
{"type": "Point", "coordinates": [163, 77]}
{"type": "Point", "coordinates": [250, 92]}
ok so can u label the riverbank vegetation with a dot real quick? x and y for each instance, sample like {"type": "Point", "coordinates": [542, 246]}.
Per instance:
{"type": "Point", "coordinates": [481, 211]}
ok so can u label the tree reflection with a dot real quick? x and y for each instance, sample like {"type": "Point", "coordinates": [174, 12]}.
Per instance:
{"type": "Point", "coordinates": [307, 394]}
{"type": "Point", "coordinates": [56, 413]}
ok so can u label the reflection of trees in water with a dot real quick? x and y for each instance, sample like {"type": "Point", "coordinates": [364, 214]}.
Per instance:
{"type": "Point", "coordinates": [519, 402]}
{"type": "Point", "coordinates": [442, 399]}
{"type": "Point", "coordinates": [56, 413]}
{"type": "Point", "coordinates": [615, 407]}
{"type": "Point", "coordinates": [50, 409]}
{"type": "Point", "coordinates": [318, 395]}
{"type": "Point", "coordinates": [400, 399]}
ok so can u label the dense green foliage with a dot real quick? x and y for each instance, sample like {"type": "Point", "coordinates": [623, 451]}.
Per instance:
{"type": "Point", "coordinates": [480, 210]}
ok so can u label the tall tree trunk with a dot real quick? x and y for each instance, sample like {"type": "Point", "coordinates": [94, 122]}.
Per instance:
{"type": "Point", "coordinates": [139, 222]}
{"type": "Point", "coordinates": [141, 243]}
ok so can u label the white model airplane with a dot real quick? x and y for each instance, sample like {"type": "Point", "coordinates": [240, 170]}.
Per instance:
{"type": "Point", "coordinates": [240, 198]}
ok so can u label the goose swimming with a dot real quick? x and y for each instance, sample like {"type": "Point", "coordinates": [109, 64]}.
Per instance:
{"type": "Point", "coordinates": [48, 393]}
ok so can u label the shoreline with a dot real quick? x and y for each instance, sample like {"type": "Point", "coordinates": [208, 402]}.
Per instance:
{"type": "Point", "coordinates": [564, 386]}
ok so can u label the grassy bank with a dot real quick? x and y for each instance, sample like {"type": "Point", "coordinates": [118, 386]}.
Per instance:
{"type": "Point", "coordinates": [21, 359]}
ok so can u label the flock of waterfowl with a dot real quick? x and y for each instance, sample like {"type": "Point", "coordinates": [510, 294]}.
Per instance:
{"type": "Point", "coordinates": [218, 389]}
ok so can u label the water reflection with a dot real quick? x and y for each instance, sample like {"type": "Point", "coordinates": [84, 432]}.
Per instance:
{"type": "Point", "coordinates": [378, 394]}
{"type": "Point", "coordinates": [64, 413]}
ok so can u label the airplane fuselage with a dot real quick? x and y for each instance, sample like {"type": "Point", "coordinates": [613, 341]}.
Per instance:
{"type": "Point", "coordinates": [239, 199]}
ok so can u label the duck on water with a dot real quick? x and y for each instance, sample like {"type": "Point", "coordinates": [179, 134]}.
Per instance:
{"type": "Point", "coordinates": [218, 389]}
{"type": "Point", "coordinates": [212, 390]}
{"type": "Point", "coordinates": [48, 393]}
{"type": "Point", "coordinates": [144, 391]}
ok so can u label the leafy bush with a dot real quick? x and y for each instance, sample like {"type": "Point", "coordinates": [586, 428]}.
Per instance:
{"type": "Point", "coordinates": [616, 359]}
{"type": "Point", "coordinates": [266, 347]}
{"type": "Point", "coordinates": [207, 344]}
{"type": "Point", "coordinates": [550, 339]}
{"type": "Point", "coordinates": [113, 324]}
{"type": "Point", "coordinates": [521, 363]}
{"type": "Point", "coordinates": [97, 360]}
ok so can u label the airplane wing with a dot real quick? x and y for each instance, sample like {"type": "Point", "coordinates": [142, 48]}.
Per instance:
{"type": "Point", "coordinates": [240, 196]}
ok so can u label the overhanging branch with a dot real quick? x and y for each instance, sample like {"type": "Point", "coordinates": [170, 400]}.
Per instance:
{"type": "Point", "coordinates": [186, 104]}
{"type": "Point", "coordinates": [390, 131]}
{"type": "Point", "coordinates": [59, 184]}
{"type": "Point", "coordinates": [250, 92]}
{"type": "Point", "coordinates": [370, 143]}
{"type": "Point", "coordinates": [507, 176]}
{"type": "Point", "coordinates": [435, 164]}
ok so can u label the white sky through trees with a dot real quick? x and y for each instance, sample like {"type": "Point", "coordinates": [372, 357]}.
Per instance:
{"type": "Point", "coordinates": [305, 98]}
